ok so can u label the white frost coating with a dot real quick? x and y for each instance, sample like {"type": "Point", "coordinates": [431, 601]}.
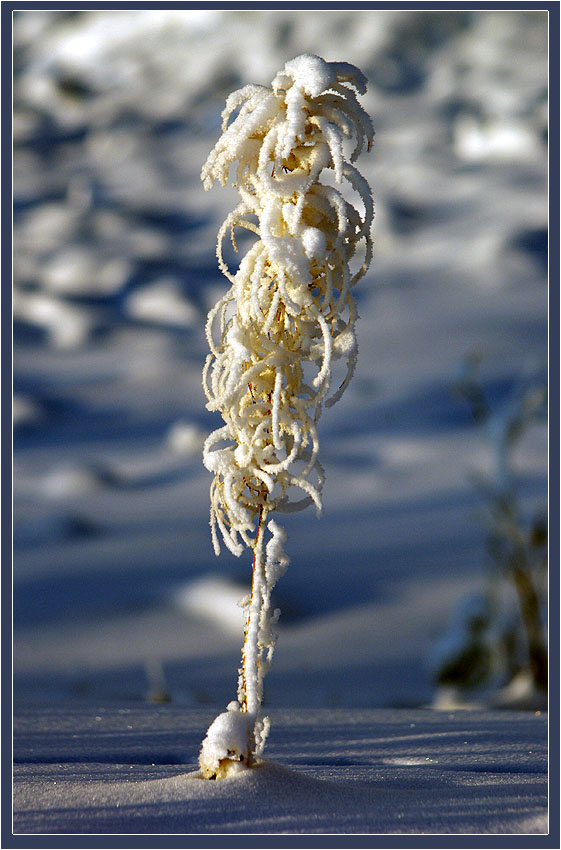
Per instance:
{"type": "Point", "coordinates": [314, 243]}
{"type": "Point", "coordinates": [277, 560]}
{"type": "Point", "coordinates": [289, 308]}
{"type": "Point", "coordinates": [309, 73]}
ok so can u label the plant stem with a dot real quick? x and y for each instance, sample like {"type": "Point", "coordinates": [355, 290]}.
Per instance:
{"type": "Point", "coordinates": [530, 609]}
{"type": "Point", "coordinates": [251, 697]}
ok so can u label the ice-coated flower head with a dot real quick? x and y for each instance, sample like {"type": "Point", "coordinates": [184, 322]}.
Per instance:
{"type": "Point", "coordinates": [290, 311]}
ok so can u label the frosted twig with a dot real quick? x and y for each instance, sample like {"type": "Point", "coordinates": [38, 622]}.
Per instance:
{"type": "Point", "coordinates": [289, 309]}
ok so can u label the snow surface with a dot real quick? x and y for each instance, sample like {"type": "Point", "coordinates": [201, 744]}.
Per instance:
{"type": "Point", "coordinates": [115, 113]}
{"type": "Point", "coordinates": [131, 770]}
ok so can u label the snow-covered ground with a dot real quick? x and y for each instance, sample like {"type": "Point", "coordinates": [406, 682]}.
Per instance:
{"type": "Point", "coordinates": [118, 595]}
{"type": "Point", "coordinates": [130, 770]}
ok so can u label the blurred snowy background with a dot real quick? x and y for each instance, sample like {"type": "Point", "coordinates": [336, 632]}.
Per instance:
{"type": "Point", "coordinates": [117, 592]}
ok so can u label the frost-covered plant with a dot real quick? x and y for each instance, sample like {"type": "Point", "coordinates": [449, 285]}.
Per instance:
{"type": "Point", "coordinates": [288, 315]}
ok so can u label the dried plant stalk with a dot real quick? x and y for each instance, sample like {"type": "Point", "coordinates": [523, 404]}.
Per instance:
{"type": "Point", "coordinates": [273, 337]}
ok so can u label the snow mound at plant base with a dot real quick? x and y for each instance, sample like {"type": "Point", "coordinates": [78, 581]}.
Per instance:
{"type": "Point", "coordinates": [228, 743]}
